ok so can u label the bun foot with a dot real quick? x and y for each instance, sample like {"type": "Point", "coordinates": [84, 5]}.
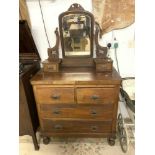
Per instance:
{"type": "Point", "coordinates": [46, 140]}
{"type": "Point", "coordinates": [111, 141]}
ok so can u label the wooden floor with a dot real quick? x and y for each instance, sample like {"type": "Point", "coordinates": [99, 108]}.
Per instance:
{"type": "Point", "coordinates": [72, 146]}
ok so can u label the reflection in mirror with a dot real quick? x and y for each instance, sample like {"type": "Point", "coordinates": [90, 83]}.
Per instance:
{"type": "Point", "coordinates": [76, 29]}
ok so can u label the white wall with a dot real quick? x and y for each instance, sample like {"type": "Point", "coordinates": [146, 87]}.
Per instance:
{"type": "Point", "coordinates": [51, 10]}
{"type": "Point", "coordinates": [125, 51]}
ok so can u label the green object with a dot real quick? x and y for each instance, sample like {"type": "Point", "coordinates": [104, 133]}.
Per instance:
{"type": "Point", "coordinates": [115, 45]}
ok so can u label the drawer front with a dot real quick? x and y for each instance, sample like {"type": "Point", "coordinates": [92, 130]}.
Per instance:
{"type": "Point", "coordinates": [104, 67]}
{"type": "Point", "coordinates": [103, 112]}
{"type": "Point", "coordinates": [96, 95]}
{"type": "Point", "coordinates": [53, 95]}
{"type": "Point", "coordinates": [76, 126]}
{"type": "Point", "coordinates": [50, 67]}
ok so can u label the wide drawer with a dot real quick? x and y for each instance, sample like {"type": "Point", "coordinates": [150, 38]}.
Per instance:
{"type": "Point", "coordinates": [103, 112]}
{"type": "Point", "coordinates": [76, 126]}
{"type": "Point", "coordinates": [52, 95]}
{"type": "Point", "coordinates": [96, 95]}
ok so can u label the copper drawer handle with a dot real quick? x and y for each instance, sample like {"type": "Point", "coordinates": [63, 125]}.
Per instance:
{"type": "Point", "coordinates": [56, 112]}
{"type": "Point", "coordinates": [95, 97]}
{"type": "Point", "coordinates": [94, 128]}
{"type": "Point", "coordinates": [93, 113]}
{"type": "Point", "coordinates": [58, 127]}
{"type": "Point", "coordinates": [55, 97]}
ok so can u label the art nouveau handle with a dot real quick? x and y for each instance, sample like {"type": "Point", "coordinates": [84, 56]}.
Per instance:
{"type": "Point", "coordinates": [95, 97]}
{"type": "Point", "coordinates": [58, 127]}
{"type": "Point", "coordinates": [56, 111]}
{"type": "Point", "coordinates": [93, 112]}
{"type": "Point", "coordinates": [55, 97]}
{"type": "Point", "coordinates": [94, 128]}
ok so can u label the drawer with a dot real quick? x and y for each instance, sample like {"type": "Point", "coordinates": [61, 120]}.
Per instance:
{"type": "Point", "coordinates": [96, 95]}
{"type": "Point", "coordinates": [103, 65]}
{"type": "Point", "coordinates": [103, 112]}
{"type": "Point", "coordinates": [76, 126]}
{"type": "Point", "coordinates": [50, 67]}
{"type": "Point", "coordinates": [52, 95]}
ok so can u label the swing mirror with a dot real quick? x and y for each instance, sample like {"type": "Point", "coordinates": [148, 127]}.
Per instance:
{"type": "Point", "coordinates": [76, 32]}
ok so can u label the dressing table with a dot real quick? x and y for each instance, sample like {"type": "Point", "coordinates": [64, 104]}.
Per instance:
{"type": "Point", "coordinates": [77, 95]}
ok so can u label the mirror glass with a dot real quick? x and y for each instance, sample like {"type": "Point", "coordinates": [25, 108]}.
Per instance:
{"type": "Point", "coordinates": [76, 30]}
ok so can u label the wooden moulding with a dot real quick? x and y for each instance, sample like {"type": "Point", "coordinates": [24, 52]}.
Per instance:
{"type": "Point", "coordinates": [51, 66]}
{"type": "Point", "coordinates": [103, 65]}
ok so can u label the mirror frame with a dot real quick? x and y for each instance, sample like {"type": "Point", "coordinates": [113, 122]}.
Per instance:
{"type": "Point", "coordinates": [77, 9]}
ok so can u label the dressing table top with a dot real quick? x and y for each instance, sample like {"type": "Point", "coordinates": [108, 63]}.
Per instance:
{"type": "Point", "coordinates": [79, 75]}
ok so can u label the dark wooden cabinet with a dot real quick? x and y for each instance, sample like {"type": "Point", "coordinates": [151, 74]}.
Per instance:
{"type": "Point", "coordinates": [29, 63]}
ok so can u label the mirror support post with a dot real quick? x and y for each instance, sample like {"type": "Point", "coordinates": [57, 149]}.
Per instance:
{"type": "Point", "coordinates": [53, 53]}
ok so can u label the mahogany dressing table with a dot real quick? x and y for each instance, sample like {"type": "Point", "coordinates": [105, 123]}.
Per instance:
{"type": "Point", "coordinates": [77, 95]}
